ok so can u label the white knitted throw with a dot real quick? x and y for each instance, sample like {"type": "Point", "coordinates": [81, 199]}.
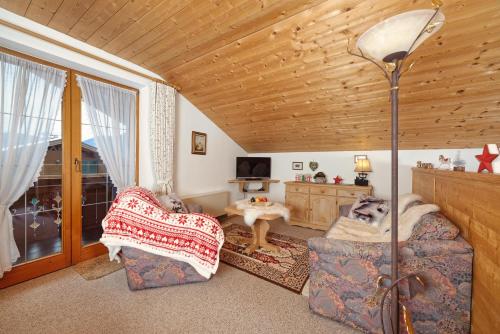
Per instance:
{"type": "Point", "coordinates": [251, 213]}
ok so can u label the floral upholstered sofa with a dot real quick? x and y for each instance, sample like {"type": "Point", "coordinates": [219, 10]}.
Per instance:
{"type": "Point", "coordinates": [343, 280]}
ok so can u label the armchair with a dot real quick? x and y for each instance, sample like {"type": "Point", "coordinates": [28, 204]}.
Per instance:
{"type": "Point", "coordinates": [343, 280]}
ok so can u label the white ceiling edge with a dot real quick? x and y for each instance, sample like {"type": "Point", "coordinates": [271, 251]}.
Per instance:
{"type": "Point", "coordinates": [24, 43]}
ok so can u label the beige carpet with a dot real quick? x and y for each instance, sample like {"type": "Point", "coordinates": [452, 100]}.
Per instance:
{"type": "Point", "coordinates": [231, 302]}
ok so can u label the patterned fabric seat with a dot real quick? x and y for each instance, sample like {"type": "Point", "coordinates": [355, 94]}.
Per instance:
{"type": "Point", "coordinates": [344, 275]}
{"type": "Point", "coordinates": [145, 270]}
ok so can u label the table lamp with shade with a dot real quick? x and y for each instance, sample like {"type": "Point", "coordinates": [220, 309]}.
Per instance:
{"type": "Point", "coordinates": [387, 45]}
{"type": "Point", "coordinates": [362, 168]}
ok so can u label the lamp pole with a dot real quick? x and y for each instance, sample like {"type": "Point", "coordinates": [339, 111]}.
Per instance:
{"type": "Point", "coordinates": [394, 199]}
{"type": "Point", "coordinates": [391, 63]}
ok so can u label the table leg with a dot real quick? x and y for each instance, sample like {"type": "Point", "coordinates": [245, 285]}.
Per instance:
{"type": "Point", "coordinates": [259, 231]}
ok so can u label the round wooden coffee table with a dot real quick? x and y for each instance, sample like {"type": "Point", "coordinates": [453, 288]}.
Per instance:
{"type": "Point", "coordinates": [259, 231]}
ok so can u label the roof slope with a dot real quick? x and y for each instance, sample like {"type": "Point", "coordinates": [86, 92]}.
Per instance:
{"type": "Point", "coordinates": [275, 75]}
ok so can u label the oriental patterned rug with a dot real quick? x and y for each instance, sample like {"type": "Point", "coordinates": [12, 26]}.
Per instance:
{"type": "Point", "coordinates": [288, 268]}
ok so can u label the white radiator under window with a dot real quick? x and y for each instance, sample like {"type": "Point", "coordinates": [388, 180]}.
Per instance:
{"type": "Point", "coordinates": [213, 203]}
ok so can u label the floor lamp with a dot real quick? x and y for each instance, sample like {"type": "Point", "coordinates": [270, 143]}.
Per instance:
{"type": "Point", "coordinates": [387, 45]}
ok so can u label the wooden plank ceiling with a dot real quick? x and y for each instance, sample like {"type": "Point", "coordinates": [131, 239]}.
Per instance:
{"type": "Point", "coordinates": [275, 75]}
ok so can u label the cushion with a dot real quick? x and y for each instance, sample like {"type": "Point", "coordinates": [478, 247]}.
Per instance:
{"type": "Point", "coordinates": [434, 226]}
{"type": "Point", "coordinates": [174, 203]}
{"type": "Point", "coordinates": [369, 209]}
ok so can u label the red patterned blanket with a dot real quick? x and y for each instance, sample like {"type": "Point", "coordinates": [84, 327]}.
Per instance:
{"type": "Point", "coordinates": [137, 219]}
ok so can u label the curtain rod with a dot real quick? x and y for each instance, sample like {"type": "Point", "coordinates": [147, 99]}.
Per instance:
{"type": "Point", "coordinates": [85, 53]}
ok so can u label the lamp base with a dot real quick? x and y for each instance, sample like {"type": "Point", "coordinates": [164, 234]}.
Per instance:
{"type": "Point", "coordinates": [360, 181]}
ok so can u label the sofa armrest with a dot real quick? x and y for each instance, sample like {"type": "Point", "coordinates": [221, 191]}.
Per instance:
{"type": "Point", "coordinates": [344, 274]}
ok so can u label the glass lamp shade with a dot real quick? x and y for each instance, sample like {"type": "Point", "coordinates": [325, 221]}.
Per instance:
{"type": "Point", "coordinates": [392, 38]}
{"type": "Point", "coordinates": [363, 166]}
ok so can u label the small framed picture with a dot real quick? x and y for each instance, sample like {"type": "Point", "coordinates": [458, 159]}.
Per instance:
{"type": "Point", "coordinates": [199, 143]}
{"type": "Point", "coordinates": [297, 165]}
{"type": "Point", "coordinates": [360, 157]}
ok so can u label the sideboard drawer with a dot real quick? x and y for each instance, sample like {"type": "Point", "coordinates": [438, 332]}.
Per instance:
{"type": "Point", "coordinates": [324, 191]}
{"type": "Point", "coordinates": [297, 188]}
{"type": "Point", "coordinates": [352, 193]}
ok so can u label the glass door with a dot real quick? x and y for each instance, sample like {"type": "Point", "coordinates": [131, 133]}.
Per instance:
{"type": "Point", "coordinates": [41, 217]}
{"type": "Point", "coordinates": [93, 192]}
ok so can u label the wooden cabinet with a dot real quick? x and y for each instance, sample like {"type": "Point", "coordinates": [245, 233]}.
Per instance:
{"type": "Point", "coordinates": [322, 210]}
{"type": "Point", "coordinates": [317, 205]}
{"type": "Point", "coordinates": [299, 206]}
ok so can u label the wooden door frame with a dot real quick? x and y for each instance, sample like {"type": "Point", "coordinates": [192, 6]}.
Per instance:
{"type": "Point", "coordinates": [54, 262]}
{"type": "Point", "coordinates": [81, 253]}
{"type": "Point", "coordinates": [38, 267]}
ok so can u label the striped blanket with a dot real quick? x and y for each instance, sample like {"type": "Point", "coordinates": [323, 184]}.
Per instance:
{"type": "Point", "coordinates": [137, 219]}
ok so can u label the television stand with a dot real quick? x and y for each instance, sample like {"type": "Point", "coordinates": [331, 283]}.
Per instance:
{"type": "Point", "coordinates": [243, 185]}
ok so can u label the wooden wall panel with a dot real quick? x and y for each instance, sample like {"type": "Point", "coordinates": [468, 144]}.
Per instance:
{"type": "Point", "coordinates": [471, 201]}
{"type": "Point", "coordinates": [275, 74]}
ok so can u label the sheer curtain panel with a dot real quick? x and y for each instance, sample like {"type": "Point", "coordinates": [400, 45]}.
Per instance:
{"type": "Point", "coordinates": [30, 96]}
{"type": "Point", "coordinates": [162, 132]}
{"type": "Point", "coordinates": [111, 112]}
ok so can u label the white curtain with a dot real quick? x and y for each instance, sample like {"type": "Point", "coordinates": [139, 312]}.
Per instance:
{"type": "Point", "coordinates": [30, 97]}
{"type": "Point", "coordinates": [162, 136]}
{"type": "Point", "coordinates": [111, 112]}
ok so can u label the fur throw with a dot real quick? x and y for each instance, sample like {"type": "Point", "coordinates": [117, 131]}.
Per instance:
{"type": "Point", "coordinates": [252, 213]}
{"type": "Point", "coordinates": [354, 230]}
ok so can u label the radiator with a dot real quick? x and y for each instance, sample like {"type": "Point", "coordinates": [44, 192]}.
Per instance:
{"type": "Point", "coordinates": [213, 203]}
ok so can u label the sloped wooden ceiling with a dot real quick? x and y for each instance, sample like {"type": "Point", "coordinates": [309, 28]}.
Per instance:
{"type": "Point", "coordinates": [275, 75]}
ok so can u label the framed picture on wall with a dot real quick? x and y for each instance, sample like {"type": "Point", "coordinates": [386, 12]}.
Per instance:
{"type": "Point", "coordinates": [199, 143]}
{"type": "Point", "coordinates": [297, 165]}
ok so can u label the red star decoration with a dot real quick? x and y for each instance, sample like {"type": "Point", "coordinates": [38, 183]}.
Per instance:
{"type": "Point", "coordinates": [485, 160]}
{"type": "Point", "coordinates": [338, 179]}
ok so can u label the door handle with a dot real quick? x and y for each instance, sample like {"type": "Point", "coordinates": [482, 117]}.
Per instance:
{"type": "Point", "coordinates": [77, 165]}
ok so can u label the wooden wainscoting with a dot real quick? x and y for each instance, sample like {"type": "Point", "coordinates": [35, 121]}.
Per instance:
{"type": "Point", "coordinates": [472, 202]}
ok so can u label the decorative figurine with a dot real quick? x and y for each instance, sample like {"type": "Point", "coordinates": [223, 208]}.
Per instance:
{"type": "Point", "coordinates": [485, 160]}
{"type": "Point", "coordinates": [458, 163]}
{"type": "Point", "coordinates": [320, 177]}
{"type": "Point", "coordinates": [444, 163]}
{"type": "Point", "coordinates": [313, 165]}
{"type": "Point", "coordinates": [337, 179]}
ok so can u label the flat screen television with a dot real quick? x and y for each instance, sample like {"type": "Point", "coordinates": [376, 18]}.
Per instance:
{"type": "Point", "coordinates": [253, 168]}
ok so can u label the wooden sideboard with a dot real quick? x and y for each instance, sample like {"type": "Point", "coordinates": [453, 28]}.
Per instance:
{"type": "Point", "coordinates": [317, 205]}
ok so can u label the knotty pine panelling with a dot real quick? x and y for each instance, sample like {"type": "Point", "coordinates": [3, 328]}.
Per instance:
{"type": "Point", "coordinates": [275, 75]}
{"type": "Point", "coordinates": [470, 201]}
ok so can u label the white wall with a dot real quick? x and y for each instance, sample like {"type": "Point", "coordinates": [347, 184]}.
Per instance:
{"type": "Point", "coordinates": [342, 163]}
{"type": "Point", "coordinates": [194, 174]}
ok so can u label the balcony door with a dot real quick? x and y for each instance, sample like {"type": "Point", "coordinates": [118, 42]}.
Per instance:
{"type": "Point", "coordinates": [93, 191]}
{"type": "Point", "coordinates": [57, 221]}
